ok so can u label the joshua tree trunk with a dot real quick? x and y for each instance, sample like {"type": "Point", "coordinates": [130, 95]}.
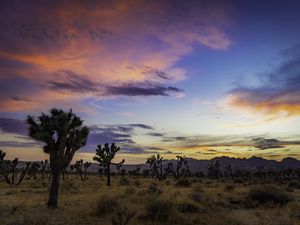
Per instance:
{"type": "Point", "coordinates": [52, 202]}
{"type": "Point", "coordinates": [108, 174]}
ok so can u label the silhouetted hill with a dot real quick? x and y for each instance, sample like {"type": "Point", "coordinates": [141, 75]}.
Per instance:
{"type": "Point", "coordinates": [196, 165]}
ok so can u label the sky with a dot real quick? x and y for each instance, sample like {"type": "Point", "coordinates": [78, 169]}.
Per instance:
{"type": "Point", "coordinates": [196, 78]}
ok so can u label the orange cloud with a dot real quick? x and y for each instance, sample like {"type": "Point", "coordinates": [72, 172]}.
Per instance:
{"type": "Point", "coordinates": [111, 42]}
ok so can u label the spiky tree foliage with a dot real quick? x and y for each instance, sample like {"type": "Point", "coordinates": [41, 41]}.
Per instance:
{"type": "Point", "coordinates": [156, 165]}
{"type": "Point", "coordinates": [63, 134]}
{"type": "Point", "coordinates": [105, 155]}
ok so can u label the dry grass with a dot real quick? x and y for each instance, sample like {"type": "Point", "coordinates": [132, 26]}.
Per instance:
{"type": "Point", "coordinates": [145, 201]}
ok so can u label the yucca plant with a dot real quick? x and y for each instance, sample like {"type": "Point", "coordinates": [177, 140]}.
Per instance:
{"type": "Point", "coordinates": [105, 155]}
{"type": "Point", "coordinates": [63, 134]}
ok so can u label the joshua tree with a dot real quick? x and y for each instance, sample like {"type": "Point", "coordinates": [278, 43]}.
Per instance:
{"type": "Point", "coordinates": [8, 169]}
{"type": "Point", "coordinates": [155, 163]}
{"type": "Point", "coordinates": [228, 171]}
{"type": "Point", "coordinates": [214, 169]}
{"type": "Point", "coordinates": [43, 168]}
{"type": "Point", "coordinates": [63, 134]}
{"type": "Point", "coordinates": [181, 167]}
{"type": "Point", "coordinates": [104, 155]}
{"type": "Point", "coordinates": [82, 172]}
{"type": "Point", "coordinates": [34, 169]}
{"type": "Point", "coordinates": [78, 166]}
{"type": "Point", "coordinates": [86, 165]}
{"type": "Point", "coordinates": [135, 173]}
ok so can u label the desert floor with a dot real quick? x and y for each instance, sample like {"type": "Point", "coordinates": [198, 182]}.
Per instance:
{"type": "Point", "coordinates": [149, 201]}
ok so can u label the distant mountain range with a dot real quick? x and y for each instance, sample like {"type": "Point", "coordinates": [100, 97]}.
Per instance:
{"type": "Point", "coordinates": [251, 164]}
{"type": "Point", "coordinates": [197, 165]}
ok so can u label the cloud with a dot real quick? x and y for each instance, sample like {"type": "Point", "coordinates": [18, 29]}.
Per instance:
{"type": "Point", "coordinates": [14, 126]}
{"type": "Point", "coordinates": [19, 144]}
{"type": "Point", "coordinates": [68, 51]}
{"type": "Point", "coordinates": [213, 141]}
{"type": "Point", "coordinates": [262, 143]}
{"type": "Point", "coordinates": [278, 96]}
{"type": "Point", "coordinates": [69, 81]}
{"type": "Point", "coordinates": [121, 134]}
{"type": "Point", "coordinates": [72, 82]}
{"type": "Point", "coordinates": [141, 89]}
{"type": "Point", "coordinates": [155, 134]}
{"type": "Point", "coordinates": [140, 125]}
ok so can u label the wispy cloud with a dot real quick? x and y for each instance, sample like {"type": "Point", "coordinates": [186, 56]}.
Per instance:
{"type": "Point", "coordinates": [278, 96]}
{"type": "Point", "coordinates": [101, 49]}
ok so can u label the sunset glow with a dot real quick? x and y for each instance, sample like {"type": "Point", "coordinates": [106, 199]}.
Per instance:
{"type": "Point", "coordinates": [171, 77]}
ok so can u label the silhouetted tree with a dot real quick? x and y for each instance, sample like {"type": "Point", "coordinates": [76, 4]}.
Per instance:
{"type": "Point", "coordinates": [156, 165]}
{"type": "Point", "coordinates": [78, 166]}
{"type": "Point", "coordinates": [214, 169]}
{"type": "Point", "coordinates": [8, 169]}
{"type": "Point", "coordinates": [63, 134]}
{"type": "Point", "coordinates": [181, 167]}
{"type": "Point", "coordinates": [34, 169]}
{"type": "Point", "coordinates": [105, 155]}
{"type": "Point", "coordinates": [134, 173]}
{"type": "Point", "coordinates": [44, 168]}
{"type": "Point", "coordinates": [86, 165]}
{"type": "Point", "coordinates": [228, 171]}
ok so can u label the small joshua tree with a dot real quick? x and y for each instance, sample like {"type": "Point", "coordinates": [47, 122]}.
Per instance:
{"type": "Point", "coordinates": [63, 134]}
{"type": "Point", "coordinates": [105, 155]}
{"type": "Point", "coordinates": [155, 163]}
{"type": "Point", "coordinates": [214, 169]}
{"type": "Point", "coordinates": [81, 168]}
{"type": "Point", "coordinates": [8, 169]}
{"type": "Point", "coordinates": [86, 165]}
{"type": "Point", "coordinates": [34, 169]}
{"type": "Point", "coordinates": [43, 168]}
{"type": "Point", "coordinates": [181, 167]}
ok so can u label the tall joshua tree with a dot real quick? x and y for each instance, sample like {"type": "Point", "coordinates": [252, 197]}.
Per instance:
{"type": "Point", "coordinates": [104, 155]}
{"type": "Point", "coordinates": [63, 134]}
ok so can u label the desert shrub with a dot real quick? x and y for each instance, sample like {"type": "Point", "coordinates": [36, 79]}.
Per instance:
{"type": "Point", "coordinates": [188, 208]}
{"type": "Point", "coordinates": [153, 188]}
{"type": "Point", "coordinates": [198, 189]}
{"type": "Point", "coordinates": [229, 188]}
{"type": "Point", "coordinates": [238, 181]}
{"type": "Point", "coordinates": [197, 197]}
{"type": "Point", "coordinates": [194, 180]}
{"type": "Point", "coordinates": [268, 194]}
{"type": "Point", "coordinates": [122, 216]}
{"type": "Point", "coordinates": [106, 205]}
{"type": "Point", "coordinates": [294, 184]}
{"type": "Point", "coordinates": [68, 186]}
{"type": "Point", "coordinates": [137, 183]}
{"type": "Point", "coordinates": [129, 191]}
{"type": "Point", "coordinates": [183, 183]}
{"type": "Point", "coordinates": [30, 219]}
{"type": "Point", "coordinates": [124, 181]}
{"type": "Point", "coordinates": [294, 210]}
{"type": "Point", "coordinates": [159, 210]}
